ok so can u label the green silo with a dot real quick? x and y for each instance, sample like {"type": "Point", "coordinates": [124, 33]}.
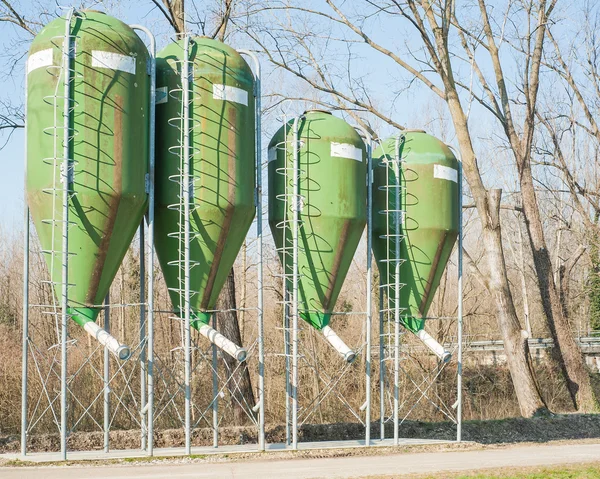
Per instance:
{"type": "Point", "coordinates": [428, 199]}
{"type": "Point", "coordinates": [109, 152]}
{"type": "Point", "coordinates": [332, 209]}
{"type": "Point", "coordinates": [222, 169]}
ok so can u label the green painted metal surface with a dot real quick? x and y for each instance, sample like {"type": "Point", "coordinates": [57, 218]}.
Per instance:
{"type": "Point", "coordinates": [222, 145]}
{"type": "Point", "coordinates": [332, 210]}
{"type": "Point", "coordinates": [109, 147]}
{"type": "Point", "coordinates": [429, 197]}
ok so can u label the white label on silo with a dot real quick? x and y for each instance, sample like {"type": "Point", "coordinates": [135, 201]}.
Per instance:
{"type": "Point", "coordinates": [113, 61]}
{"type": "Point", "coordinates": [272, 154]}
{"type": "Point", "coordinates": [161, 96]}
{"type": "Point", "coordinates": [445, 173]}
{"type": "Point", "coordinates": [230, 93]}
{"type": "Point", "coordinates": [40, 59]}
{"type": "Point", "coordinates": [346, 150]}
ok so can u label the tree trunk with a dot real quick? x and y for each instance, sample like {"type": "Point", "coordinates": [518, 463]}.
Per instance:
{"type": "Point", "coordinates": [516, 346]}
{"type": "Point", "coordinates": [239, 384]}
{"type": "Point", "coordinates": [571, 360]}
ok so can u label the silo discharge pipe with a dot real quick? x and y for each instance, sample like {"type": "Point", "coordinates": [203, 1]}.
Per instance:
{"type": "Point", "coordinates": [121, 350]}
{"type": "Point", "coordinates": [338, 344]}
{"type": "Point", "coordinates": [434, 346]}
{"type": "Point", "coordinates": [85, 317]}
{"type": "Point", "coordinates": [220, 341]}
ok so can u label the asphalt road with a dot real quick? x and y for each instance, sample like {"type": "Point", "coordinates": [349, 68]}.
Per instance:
{"type": "Point", "coordinates": [342, 467]}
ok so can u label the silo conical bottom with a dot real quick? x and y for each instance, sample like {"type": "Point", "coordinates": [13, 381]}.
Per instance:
{"type": "Point", "coordinates": [317, 319]}
{"type": "Point", "coordinates": [83, 315]}
{"type": "Point", "coordinates": [198, 318]}
{"type": "Point", "coordinates": [413, 324]}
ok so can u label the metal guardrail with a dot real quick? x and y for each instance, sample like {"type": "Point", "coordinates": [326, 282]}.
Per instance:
{"type": "Point", "coordinates": [587, 344]}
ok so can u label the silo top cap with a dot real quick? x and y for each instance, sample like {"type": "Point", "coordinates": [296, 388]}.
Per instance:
{"type": "Point", "coordinates": [317, 110]}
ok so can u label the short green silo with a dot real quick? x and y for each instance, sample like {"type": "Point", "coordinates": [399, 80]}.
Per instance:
{"type": "Point", "coordinates": [109, 152]}
{"type": "Point", "coordinates": [331, 208]}
{"type": "Point", "coordinates": [428, 197]}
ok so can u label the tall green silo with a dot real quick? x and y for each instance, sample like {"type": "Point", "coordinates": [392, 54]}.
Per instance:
{"type": "Point", "coordinates": [108, 148]}
{"type": "Point", "coordinates": [423, 188]}
{"type": "Point", "coordinates": [222, 171]}
{"type": "Point", "coordinates": [331, 210]}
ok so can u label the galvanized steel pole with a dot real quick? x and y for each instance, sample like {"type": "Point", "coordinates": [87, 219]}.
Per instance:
{"type": "Point", "coordinates": [295, 233]}
{"type": "Point", "coordinates": [381, 368]}
{"type": "Point", "coordinates": [106, 376]}
{"type": "Point", "coordinates": [143, 366]}
{"type": "Point", "coordinates": [259, 247]}
{"type": "Point", "coordinates": [460, 306]}
{"type": "Point", "coordinates": [147, 404]}
{"type": "Point", "coordinates": [215, 386]}
{"type": "Point", "coordinates": [25, 345]}
{"type": "Point", "coordinates": [186, 190]}
{"type": "Point", "coordinates": [65, 178]}
{"type": "Point", "coordinates": [397, 220]}
{"type": "Point", "coordinates": [369, 179]}
{"type": "Point", "coordinates": [25, 331]}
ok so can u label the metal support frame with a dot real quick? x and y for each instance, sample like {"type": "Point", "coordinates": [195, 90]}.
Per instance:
{"type": "Point", "coordinates": [185, 193]}
{"type": "Point", "coordinates": [389, 308]}
{"type": "Point", "coordinates": [25, 332]}
{"type": "Point", "coordinates": [115, 381]}
{"type": "Point", "coordinates": [194, 357]}
{"type": "Point", "coordinates": [65, 178]}
{"type": "Point", "coordinates": [106, 372]}
{"type": "Point", "coordinates": [291, 329]}
{"type": "Point", "coordinates": [147, 317]}
{"type": "Point", "coordinates": [259, 235]}
{"type": "Point", "coordinates": [290, 302]}
{"type": "Point", "coordinates": [459, 392]}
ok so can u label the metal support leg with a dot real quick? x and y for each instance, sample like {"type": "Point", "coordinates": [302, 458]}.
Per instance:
{"type": "Point", "coordinates": [381, 370]}
{"type": "Point", "coordinates": [143, 372]}
{"type": "Point", "coordinates": [107, 377]}
{"type": "Point", "coordinates": [25, 344]}
{"type": "Point", "coordinates": [65, 178]}
{"type": "Point", "coordinates": [259, 251]}
{"type": "Point", "coordinates": [186, 241]}
{"type": "Point", "coordinates": [287, 353]}
{"type": "Point", "coordinates": [295, 279]}
{"type": "Point", "coordinates": [215, 387]}
{"type": "Point", "coordinates": [397, 239]}
{"type": "Point", "coordinates": [147, 415]}
{"type": "Point", "coordinates": [368, 318]}
{"type": "Point", "coordinates": [396, 378]}
{"type": "Point", "coordinates": [460, 308]}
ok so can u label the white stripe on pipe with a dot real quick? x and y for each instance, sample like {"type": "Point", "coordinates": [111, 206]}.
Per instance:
{"type": "Point", "coordinates": [434, 346]}
{"type": "Point", "coordinates": [222, 342]}
{"type": "Point", "coordinates": [122, 351]}
{"type": "Point", "coordinates": [338, 344]}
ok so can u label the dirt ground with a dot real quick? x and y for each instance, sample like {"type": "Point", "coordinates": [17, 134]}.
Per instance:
{"type": "Point", "coordinates": [514, 430]}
